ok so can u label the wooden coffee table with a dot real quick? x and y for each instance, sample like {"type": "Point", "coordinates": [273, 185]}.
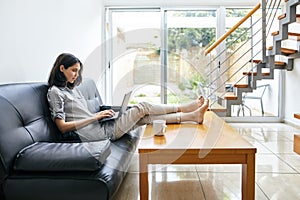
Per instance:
{"type": "Point", "coordinates": [213, 142]}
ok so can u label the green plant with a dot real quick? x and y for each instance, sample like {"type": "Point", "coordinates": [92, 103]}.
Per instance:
{"type": "Point", "coordinates": [185, 38]}
{"type": "Point", "coordinates": [192, 84]}
{"type": "Point", "coordinates": [132, 101]}
{"type": "Point", "coordinates": [141, 95]}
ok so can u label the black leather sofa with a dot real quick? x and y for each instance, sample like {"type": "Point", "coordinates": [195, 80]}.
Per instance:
{"type": "Point", "coordinates": [25, 123]}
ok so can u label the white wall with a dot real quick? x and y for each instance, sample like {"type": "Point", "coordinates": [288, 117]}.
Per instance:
{"type": "Point", "coordinates": [292, 94]}
{"type": "Point", "coordinates": [35, 32]}
{"type": "Point", "coordinates": [292, 85]}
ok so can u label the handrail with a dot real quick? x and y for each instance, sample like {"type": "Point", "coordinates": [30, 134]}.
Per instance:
{"type": "Point", "coordinates": [234, 41]}
{"type": "Point", "coordinates": [223, 37]}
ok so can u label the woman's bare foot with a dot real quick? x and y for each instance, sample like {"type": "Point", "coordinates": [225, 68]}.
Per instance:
{"type": "Point", "coordinates": [196, 115]}
{"type": "Point", "coordinates": [192, 106]}
{"type": "Point", "coordinates": [199, 113]}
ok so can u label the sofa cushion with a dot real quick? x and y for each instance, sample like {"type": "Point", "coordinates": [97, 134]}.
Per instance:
{"type": "Point", "coordinates": [90, 92]}
{"type": "Point", "coordinates": [43, 156]}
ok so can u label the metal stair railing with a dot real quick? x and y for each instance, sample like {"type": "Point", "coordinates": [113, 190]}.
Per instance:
{"type": "Point", "coordinates": [269, 12]}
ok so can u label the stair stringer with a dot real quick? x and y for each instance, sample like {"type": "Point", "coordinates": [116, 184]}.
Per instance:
{"type": "Point", "coordinates": [252, 85]}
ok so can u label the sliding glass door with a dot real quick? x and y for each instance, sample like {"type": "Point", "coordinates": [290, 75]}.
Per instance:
{"type": "Point", "coordinates": [158, 53]}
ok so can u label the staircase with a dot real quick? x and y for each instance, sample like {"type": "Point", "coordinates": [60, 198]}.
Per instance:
{"type": "Point", "coordinates": [264, 69]}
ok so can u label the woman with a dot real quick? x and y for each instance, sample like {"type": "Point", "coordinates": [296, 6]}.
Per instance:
{"type": "Point", "coordinates": [70, 112]}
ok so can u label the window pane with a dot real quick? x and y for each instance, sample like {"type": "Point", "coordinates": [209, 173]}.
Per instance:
{"type": "Point", "coordinates": [189, 34]}
{"type": "Point", "coordinates": [136, 60]}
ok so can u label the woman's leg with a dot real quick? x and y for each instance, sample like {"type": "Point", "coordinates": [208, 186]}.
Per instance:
{"type": "Point", "coordinates": [145, 113]}
{"type": "Point", "coordinates": [131, 117]}
{"type": "Point", "coordinates": [171, 118]}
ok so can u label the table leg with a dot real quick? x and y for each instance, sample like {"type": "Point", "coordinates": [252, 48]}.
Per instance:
{"type": "Point", "coordinates": [144, 188]}
{"type": "Point", "coordinates": [248, 178]}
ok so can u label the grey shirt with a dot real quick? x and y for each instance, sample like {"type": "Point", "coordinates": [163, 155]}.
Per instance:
{"type": "Point", "coordinates": [70, 105]}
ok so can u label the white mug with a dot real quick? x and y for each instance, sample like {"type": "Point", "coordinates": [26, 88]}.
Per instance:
{"type": "Point", "coordinates": [159, 127]}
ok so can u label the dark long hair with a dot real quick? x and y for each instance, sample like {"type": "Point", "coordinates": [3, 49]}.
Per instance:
{"type": "Point", "coordinates": [58, 78]}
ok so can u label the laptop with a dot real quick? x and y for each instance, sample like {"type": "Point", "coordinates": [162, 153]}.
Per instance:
{"type": "Point", "coordinates": [122, 109]}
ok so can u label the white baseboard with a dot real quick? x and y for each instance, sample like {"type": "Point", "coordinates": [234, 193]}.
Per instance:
{"type": "Point", "coordinates": [292, 123]}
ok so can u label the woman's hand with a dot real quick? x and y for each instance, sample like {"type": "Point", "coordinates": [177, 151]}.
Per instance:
{"type": "Point", "coordinates": [64, 126]}
{"type": "Point", "coordinates": [104, 114]}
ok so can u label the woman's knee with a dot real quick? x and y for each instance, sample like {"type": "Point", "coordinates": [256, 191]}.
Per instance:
{"type": "Point", "coordinates": [143, 108]}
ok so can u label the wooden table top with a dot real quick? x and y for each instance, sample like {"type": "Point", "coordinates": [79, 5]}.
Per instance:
{"type": "Point", "coordinates": [214, 133]}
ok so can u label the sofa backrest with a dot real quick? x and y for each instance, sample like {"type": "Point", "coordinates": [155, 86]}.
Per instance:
{"type": "Point", "coordinates": [90, 92]}
{"type": "Point", "coordinates": [24, 119]}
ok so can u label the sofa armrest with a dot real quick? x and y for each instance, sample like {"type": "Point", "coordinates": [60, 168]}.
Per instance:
{"type": "Point", "coordinates": [43, 156]}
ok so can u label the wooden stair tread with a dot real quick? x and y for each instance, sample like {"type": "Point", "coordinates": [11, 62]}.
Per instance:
{"type": "Point", "coordinates": [278, 63]}
{"type": "Point", "coordinates": [294, 34]}
{"type": "Point", "coordinates": [297, 115]}
{"type": "Point", "coordinates": [284, 15]}
{"type": "Point", "coordinates": [284, 51]}
{"type": "Point", "coordinates": [281, 16]}
{"type": "Point", "coordinates": [288, 51]}
{"type": "Point", "coordinates": [241, 85]}
{"type": "Point", "coordinates": [255, 73]}
{"type": "Point", "coordinates": [255, 61]}
{"type": "Point", "coordinates": [290, 34]}
{"type": "Point", "coordinates": [230, 96]}
{"type": "Point", "coordinates": [275, 33]}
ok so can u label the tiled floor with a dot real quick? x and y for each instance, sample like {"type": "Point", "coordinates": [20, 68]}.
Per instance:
{"type": "Point", "coordinates": [277, 171]}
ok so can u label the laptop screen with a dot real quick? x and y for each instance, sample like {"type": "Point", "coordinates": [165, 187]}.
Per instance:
{"type": "Point", "coordinates": [125, 102]}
